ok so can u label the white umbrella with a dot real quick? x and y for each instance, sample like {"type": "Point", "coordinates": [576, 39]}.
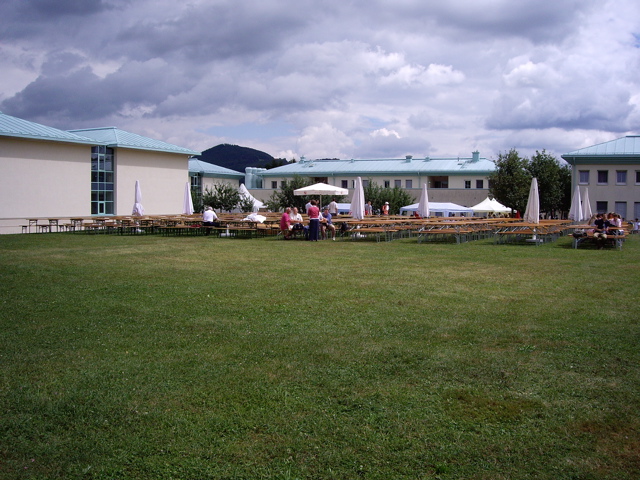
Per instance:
{"type": "Point", "coordinates": [357, 202]}
{"type": "Point", "coordinates": [586, 206]}
{"type": "Point", "coordinates": [532, 213]}
{"type": "Point", "coordinates": [138, 209]}
{"type": "Point", "coordinates": [321, 189]}
{"type": "Point", "coordinates": [575, 212]}
{"type": "Point", "coordinates": [187, 205]}
{"type": "Point", "coordinates": [423, 204]}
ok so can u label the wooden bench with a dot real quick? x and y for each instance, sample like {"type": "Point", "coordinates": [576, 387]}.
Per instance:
{"type": "Point", "coordinates": [615, 241]}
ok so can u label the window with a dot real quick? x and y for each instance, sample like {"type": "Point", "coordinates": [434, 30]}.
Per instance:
{"type": "Point", "coordinates": [479, 183]}
{"type": "Point", "coordinates": [621, 177]}
{"type": "Point", "coordinates": [467, 184]}
{"type": "Point", "coordinates": [603, 177]}
{"type": "Point", "coordinates": [274, 184]}
{"type": "Point", "coordinates": [621, 209]}
{"type": "Point", "coordinates": [602, 207]}
{"type": "Point", "coordinates": [387, 184]}
{"type": "Point", "coordinates": [344, 183]}
{"type": "Point", "coordinates": [365, 183]}
{"type": "Point", "coordinates": [397, 183]}
{"type": "Point", "coordinates": [408, 183]}
{"type": "Point", "coordinates": [196, 186]}
{"type": "Point", "coordinates": [637, 177]}
{"type": "Point", "coordinates": [583, 177]}
{"type": "Point", "coordinates": [102, 181]}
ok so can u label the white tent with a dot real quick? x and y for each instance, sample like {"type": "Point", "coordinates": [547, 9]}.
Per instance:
{"type": "Point", "coordinates": [443, 209]}
{"type": "Point", "coordinates": [244, 193]}
{"type": "Point", "coordinates": [490, 205]}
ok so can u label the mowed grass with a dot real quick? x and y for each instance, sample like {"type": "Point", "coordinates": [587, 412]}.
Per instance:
{"type": "Point", "coordinates": [147, 357]}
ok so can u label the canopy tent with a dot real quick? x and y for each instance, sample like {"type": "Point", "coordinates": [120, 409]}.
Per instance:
{"type": "Point", "coordinates": [244, 194]}
{"type": "Point", "coordinates": [444, 209]}
{"type": "Point", "coordinates": [490, 205]}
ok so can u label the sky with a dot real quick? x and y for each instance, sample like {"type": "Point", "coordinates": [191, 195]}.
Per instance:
{"type": "Point", "coordinates": [330, 78]}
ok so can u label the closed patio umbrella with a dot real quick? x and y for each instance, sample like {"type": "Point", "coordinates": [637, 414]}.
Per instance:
{"type": "Point", "coordinates": [575, 212]}
{"type": "Point", "coordinates": [187, 205]}
{"type": "Point", "coordinates": [532, 213]}
{"type": "Point", "coordinates": [357, 202]}
{"type": "Point", "coordinates": [138, 209]}
{"type": "Point", "coordinates": [586, 206]}
{"type": "Point", "coordinates": [423, 204]}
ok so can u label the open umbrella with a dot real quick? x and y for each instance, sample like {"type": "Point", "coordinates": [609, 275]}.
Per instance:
{"type": "Point", "coordinates": [575, 212]}
{"type": "Point", "coordinates": [357, 202]}
{"type": "Point", "coordinates": [586, 206]}
{"type": "Point", "coordinates": [187, 205]}
{"type": "Point", "coordinates": [532, 213]}
{"type": "Point", "coordinates": [321, 189]}
{"type": "Point", "coordinates": [138, 209]}
{"type": "Point", "coordinates": [423, 204]}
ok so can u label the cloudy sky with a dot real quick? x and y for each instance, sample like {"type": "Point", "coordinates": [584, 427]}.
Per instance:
{"type": "Point", "coordinates": [330, 78]}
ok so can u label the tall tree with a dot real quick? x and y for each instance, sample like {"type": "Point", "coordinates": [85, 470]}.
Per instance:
{"type": "Point", "coordinates": [511, 181]}
{"type": "Point", "coordinates": [284, 197]}
{"type": "Point", "coordinates": [551, 182]}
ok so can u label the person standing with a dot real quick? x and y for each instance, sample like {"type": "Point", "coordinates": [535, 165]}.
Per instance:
{"type": "Point", "coordinates": [333, 208]}
{"type": "Point", "coordinates": [314, 221]}
{"type": "Point", "coordinates": [368, 208]}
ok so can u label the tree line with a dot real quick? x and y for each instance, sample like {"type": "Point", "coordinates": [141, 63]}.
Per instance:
{"type": "Point", "coordinates": [511, 181]}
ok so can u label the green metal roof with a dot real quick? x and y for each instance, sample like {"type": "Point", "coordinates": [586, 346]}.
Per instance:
{"type": "Point", "coordinates": [625, 150]}
{"type": "Point", "coordinates": [405, 166]}
{"type": "Point", "coordinates": [17, 127]}
{"type": "Point", "coordinates": [629, 145]}
{"type": "Point", "coordinates": [114, 137]}
{"type": "Point", "coordinates": [211, 170]}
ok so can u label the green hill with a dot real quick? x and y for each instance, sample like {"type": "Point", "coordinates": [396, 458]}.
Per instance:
{"type": "Point", "coordinates": [236, 158]}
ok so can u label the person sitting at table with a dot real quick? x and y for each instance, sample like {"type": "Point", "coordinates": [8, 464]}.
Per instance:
{"type": "Point", "coordinates": [385, 208]}
{"type": "Point", "coordinates": [314, 221]}
{"type": "Point", "coordinates": [285, 224]}
{"type": "Point", "coordinates": [601, 227]}
{"type": "Point", "coordinates": [209, 218]}
{"type": "Point", "coordinates": [327, 224]}
{"type": "Point", "coordinates": [296, 221]}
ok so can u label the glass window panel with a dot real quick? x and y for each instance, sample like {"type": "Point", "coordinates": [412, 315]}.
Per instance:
{"type": "Point", "coordinates": [621, 177]}
{"type": "Point", "coordinates": [409, 183]}
{"type": "Point", "coordinates": [584, 177]}
{"type": "Point", "coordinates": [603, 176]}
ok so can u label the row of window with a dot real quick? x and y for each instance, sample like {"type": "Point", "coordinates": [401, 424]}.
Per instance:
{"type": "Point", "coordinates": [102, 181]}
{"type": "Point", "coordinates": [620, 208]}
{"type": "Point", "coordinates": [603, 177]}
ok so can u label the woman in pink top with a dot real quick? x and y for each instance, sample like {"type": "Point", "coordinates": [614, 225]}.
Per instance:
{"type": "Point", "coordinates": [285, 224]}
{"type": "Point", "coordinates": [314, 221]}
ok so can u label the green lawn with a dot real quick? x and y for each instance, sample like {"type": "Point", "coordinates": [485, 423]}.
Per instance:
{"type": "Point", "coordinates": [148, 357]}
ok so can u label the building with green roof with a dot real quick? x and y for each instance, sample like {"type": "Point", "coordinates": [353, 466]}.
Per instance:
{"type": "Point", "coordinates": [461, 180]}
{"type": "Point", "coordinates": [50, 173]}
{"type": "Point", "coordinates": [611, 173]}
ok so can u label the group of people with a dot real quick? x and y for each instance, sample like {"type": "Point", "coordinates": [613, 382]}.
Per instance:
{"type": "Point", "coordinates": [320, 222]}
{"type": "Point", "coordinates": [606, 224]}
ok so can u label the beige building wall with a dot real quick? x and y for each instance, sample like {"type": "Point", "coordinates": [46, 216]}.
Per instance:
{"type": "Point", "coordinates": [162, 179]}
{"type": "Point", "coordinates": [614, 193]}
{"type": "Point", "coordinates": [40, 179]}
{"type": "Point", "coordinates": [209, 182]}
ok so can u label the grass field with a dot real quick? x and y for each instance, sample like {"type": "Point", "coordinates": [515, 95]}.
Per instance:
{"type": "Point", "coordinates": [148, 357]}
